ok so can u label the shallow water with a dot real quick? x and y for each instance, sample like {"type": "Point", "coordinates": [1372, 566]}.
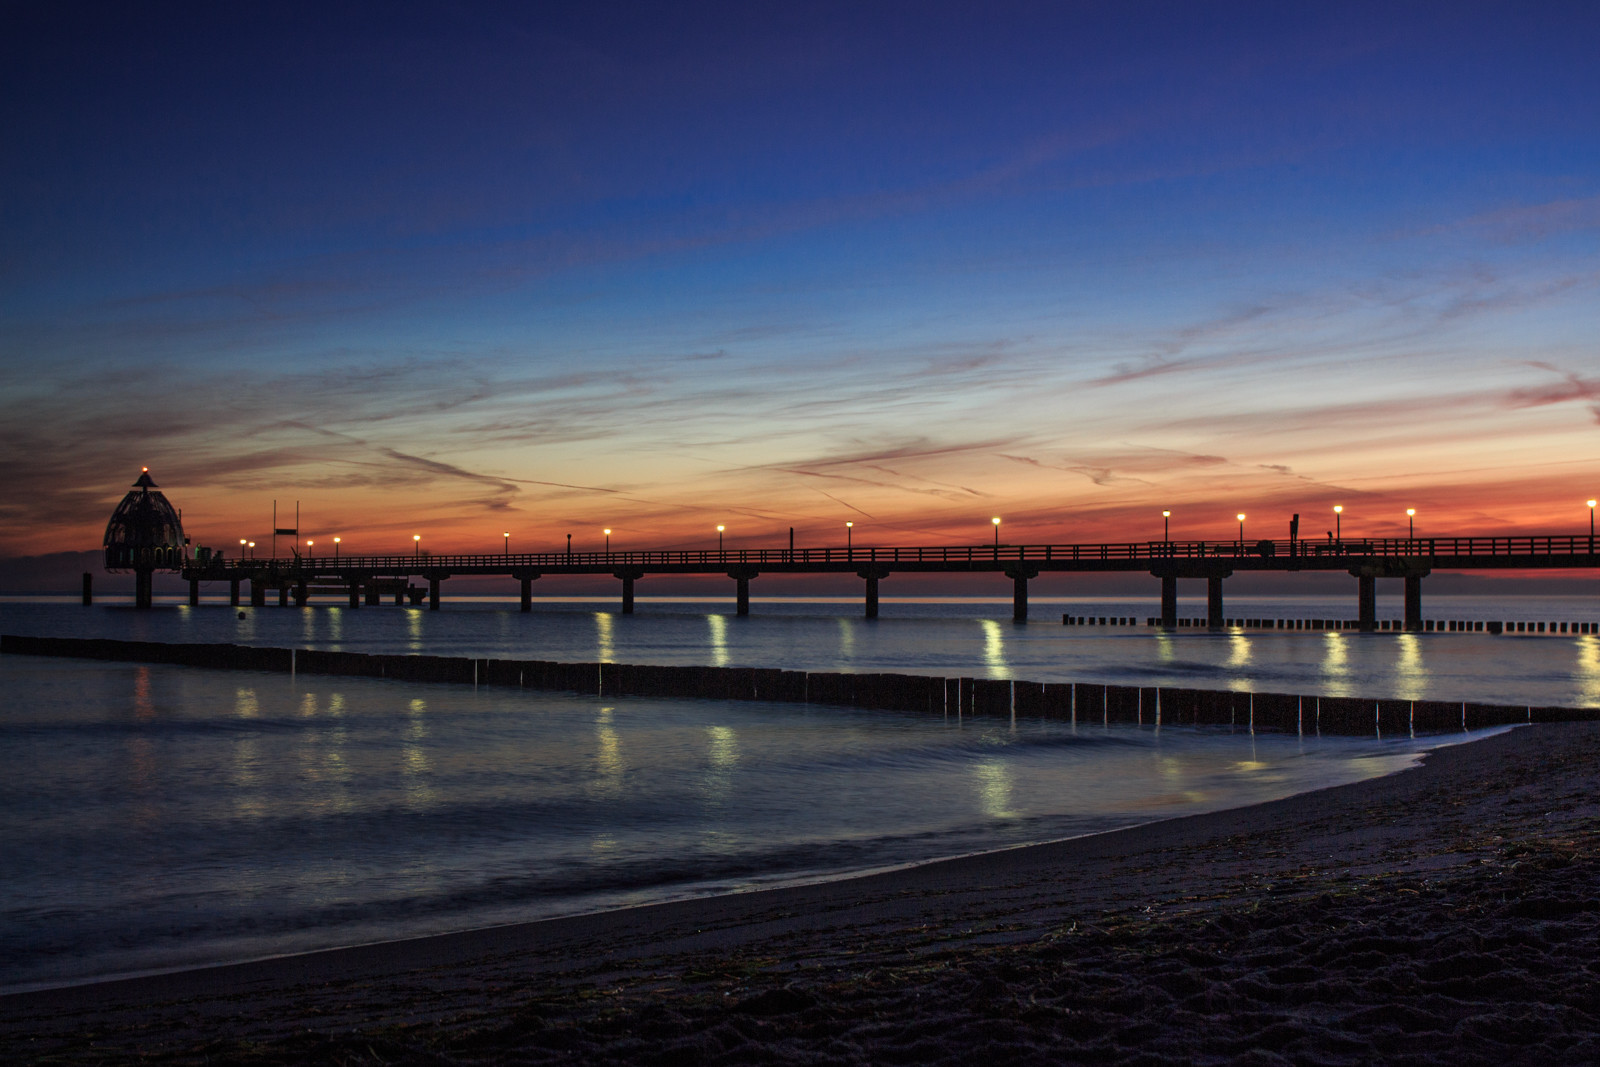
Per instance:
{"type": "Point", "coordinates": [158, 816]}
{"type": "Point", "coordinates": [154, 817]}
{"type": "Point", "coordinates": [948, 638]}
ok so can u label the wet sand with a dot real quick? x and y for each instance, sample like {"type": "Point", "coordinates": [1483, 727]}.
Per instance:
{"type": "Point", "coordinates": [1448, 913]}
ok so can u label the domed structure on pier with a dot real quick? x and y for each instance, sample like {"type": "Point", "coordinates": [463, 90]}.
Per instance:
{"type": "Point", "coordinates": [145, 534]}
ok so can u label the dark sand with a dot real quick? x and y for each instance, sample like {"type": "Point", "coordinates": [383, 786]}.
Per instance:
{"type": "Point", "coordinates": [1444, 914]}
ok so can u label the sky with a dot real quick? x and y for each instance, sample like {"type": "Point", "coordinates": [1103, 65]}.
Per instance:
{"type": "Point", "coordinates": [461, 270]}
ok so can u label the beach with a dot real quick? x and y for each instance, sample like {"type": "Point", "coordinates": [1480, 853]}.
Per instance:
{"type": "Point", "coordinates": [1444, 913]}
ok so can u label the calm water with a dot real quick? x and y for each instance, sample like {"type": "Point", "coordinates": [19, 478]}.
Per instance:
{"type": "Point", "coordinates": [155, 817]}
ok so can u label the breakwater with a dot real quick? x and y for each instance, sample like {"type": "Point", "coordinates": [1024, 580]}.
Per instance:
{"type": "Point", "coordinates": [1084, 703]}
{"type": "Point", "coordinates": [1453, 626]}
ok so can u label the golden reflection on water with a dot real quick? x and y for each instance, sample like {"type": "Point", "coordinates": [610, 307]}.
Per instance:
{"type": "Point", "coordinates": [994, 649]}
{"type": "Point", "coordinates": [336, 624]}
{"type": "Point", "coordinates": [414, 756]}
{"type": "Point", "coordinates": [1166, 647]}
{"type": "Point", "coordinates": [994, 788]}
{"type": "Point", "coordinates": [1587, 674]}
{"type": "Point", "coordinates": [724, 757]}
{"type": "Point", "coordinates": [608, 765]}
{"type": "Point", "coordinates": [847, 639]}
{"type": "Point", "coordinates": [414, 628]}
{"type": "Point", "coordinates": [1411, 674]}
{"type": "Point", "coordinates": [1336, 664]}
{"type": "Point", "coordinates": [719, 640]}
{"type": "Point", "coordinates": [604, 651]}
{"type": "Point", "coordinates": [1239, 654]}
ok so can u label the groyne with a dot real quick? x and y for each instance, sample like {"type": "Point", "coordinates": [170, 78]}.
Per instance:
{"type": "Point", "coordinates": [1082, 703]}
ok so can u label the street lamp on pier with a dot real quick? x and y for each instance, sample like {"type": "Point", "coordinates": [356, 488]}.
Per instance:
{"type": "Point", "coordinates": [1166, 527]}
{"type": "Point", "coordinates": [1240, 517]}
{"type": "Point", "coordinates": [416, 545]}
{"type": "Point", "coordinates": [507, 536]}
{"type": "Point", "coordinates": [1591, 525]}
{"type": "Point", "coordinates": [1338, 517]}
{"type": "Point", "coordinates": [608, 540]}
{"type": "Point", "coordinates": [720, 528]}
{"type": "Point", "coordinates": [336, 541]}
{"type": "Point", "coordinates": [252, 545]}
{"type": "Point", "coordinates": [849, 537]}
{"type": "Point", "coordinates": [1411, 524]}
{"type": "Point", "coordinates": [309, 543]}
{"type": "Point", "coordinates": [996, 521]}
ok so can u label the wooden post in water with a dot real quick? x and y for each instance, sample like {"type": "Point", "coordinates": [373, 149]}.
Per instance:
{"type": "Point", "coordinates": [1214, 617]}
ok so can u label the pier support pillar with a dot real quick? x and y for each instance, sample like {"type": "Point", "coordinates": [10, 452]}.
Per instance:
{"type": "Point", "coordinates": [1366, 603]}
{"type": "Point", "coordinates": [1214, 616]}
{"type": "Point", "coordinates": [433, 594]}
{"type": "Point", "coordinates": [525, 580]}
{"type": "Point", "coordinates": [1413, 602]}
{"type": "Point", "coordinates": [88, 588]}
{"type": "Point", "coordinates": [627, 577]}
{"type": "Point", "coordinates": [1169, 600]}
{"type": "Point", "coordinates": [194, 592]}
{"type": "Point", "coordinates": [143, 593]}
{"type": "Point", "coordinates": [400, 595]}
{"type": "Point", "coordinates": [742, 576]}
{"type": "Point", "coordinates": [301, 595]}
{"type": "Point", "coordinates": [233, 592]}
{"type": "Point", "coordinates": [283, 596]}
{"type": "Point", "coordinates": [872, 575]}
{"type": "Point", "coordinates": [258, 593]}
{"type": "Point", "coordinates": [1019, 575]}
{"type": "Point", "coordinates": [355, 592]}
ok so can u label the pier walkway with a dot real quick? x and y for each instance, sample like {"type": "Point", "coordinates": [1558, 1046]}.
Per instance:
{"type": "Point", "coordinates": [1366, 559]}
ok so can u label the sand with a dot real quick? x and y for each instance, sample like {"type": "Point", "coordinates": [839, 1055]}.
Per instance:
{"type": "Point", "coordinates": [1448, 913]}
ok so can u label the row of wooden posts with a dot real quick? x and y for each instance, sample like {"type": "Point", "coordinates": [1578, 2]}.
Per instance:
{"type": "Point", "coordinates": [1080, 703]}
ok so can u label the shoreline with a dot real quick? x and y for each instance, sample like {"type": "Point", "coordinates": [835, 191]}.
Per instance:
{"type": "Point", "coordinates": [801, 963]}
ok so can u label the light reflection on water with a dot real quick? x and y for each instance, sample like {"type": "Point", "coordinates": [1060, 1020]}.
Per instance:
{"type": "Point", "coordinates": [994, 649]}
{"type": "Point", "coordinates": [353, 809]}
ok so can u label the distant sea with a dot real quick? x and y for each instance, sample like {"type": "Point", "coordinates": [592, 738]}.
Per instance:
{"type": "Point", "coordinates": [156, 817]}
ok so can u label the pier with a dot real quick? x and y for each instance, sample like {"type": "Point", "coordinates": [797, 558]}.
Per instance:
{"type": "Point", "coordinates": [1409, 560]}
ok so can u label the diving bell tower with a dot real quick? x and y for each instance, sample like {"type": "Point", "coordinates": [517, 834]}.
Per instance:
{"type": "Point", "coordinates": [145, 535]}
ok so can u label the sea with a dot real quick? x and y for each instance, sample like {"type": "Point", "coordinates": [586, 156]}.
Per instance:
{"type": "Point", "coordinates": [155, 818]}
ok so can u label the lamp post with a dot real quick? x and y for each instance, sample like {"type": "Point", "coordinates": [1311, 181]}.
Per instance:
{"type": "Point", "coordinates": [416, 545]}
{"type": "Point", "coordinates": [849, 538]}
{"type": "Point", "coordinates": [507, 536]}
{"type": "Point", "coordinates": [1240, 517]}
{"type": "Point", "coordinates": [242, 543]}
{"type": "Point", "coordinates": [996, 521]}
{"type": "Point", "coordinates": [336, 547]}
{"type": "Point", "coordinates": [720, 528]}
{"type": "Point", "coordinates": [569, 546]}
{"type": "Point", "coordinates": [1166, 527]}
{"type": "Point", "coordinates": [608, 540]}
{"type": "Point", "coordinates": [1591, 525]}
{"type": "Point", "coordinates": [309, 543]}
{"type": "Point", "coordinates": [1338, 516]}
{"type": "Point", "coordinates": [1411, 524]}
{"type": "Point", "coordinates": [252, 545]}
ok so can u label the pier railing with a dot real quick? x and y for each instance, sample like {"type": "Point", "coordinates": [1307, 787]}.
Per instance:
{"type": "Point", "coordinates": [1327, 552]}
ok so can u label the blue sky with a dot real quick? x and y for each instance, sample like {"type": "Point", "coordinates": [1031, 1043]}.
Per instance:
{"type": "Point", "coordinates": [546, 268]}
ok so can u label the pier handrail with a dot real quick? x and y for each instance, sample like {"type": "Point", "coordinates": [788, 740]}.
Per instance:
{"type": "Point", "coordinates": [1154, 552]}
